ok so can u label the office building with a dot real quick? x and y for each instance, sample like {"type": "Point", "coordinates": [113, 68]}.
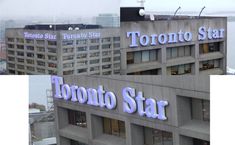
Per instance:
{"type": "Point", "coordinates": [132, 110]}
{"type": "Point", "coordinates": [172, 45]}
{"type": "Point", "coordinates": [63, 49]}
{"type": "Point", "coordinates": [108, 20]}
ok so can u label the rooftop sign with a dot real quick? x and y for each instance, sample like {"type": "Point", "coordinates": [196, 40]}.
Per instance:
{"type": "Point", "coordinates": [46, 36]}
{"type": "Point", "coordinates": [132, 101]}
{"type": "Point", "coordinates": [174, 37]}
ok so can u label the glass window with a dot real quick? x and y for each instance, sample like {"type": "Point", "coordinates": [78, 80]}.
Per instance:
{"type": "Point", "coordinates": [108, 59]}
{"type": "Point", "coordinates": [137, 57]}
{"type": "Point", "coordinates": [209, 64]}
{"type": "Point", "coordinates": [41, 49]}
{"type": "Point", "coordinates": [80, 42]}
{"type": "Point", "coordinates": [96, 47]}
{"type": "Point", "coordinates": [94, 40]}
{"type": "Point", "coordinates": [82, 70]}
{"type": "Point", "coordinates": [52, 50]}
{"type": "Point", "coordinates": [94, 61]}
{"type": "Point", "coordinates": [79, 56]}
{"type": "Point", "coordinates": [130, 57]}
{"type": "Point", "coordinates": [73, 142]}
{"type": "Point", "coordinates": [200, 109]}
{"type": "Point", "coordinates": [116, 45]}
{"type": "Point", "coordinates": [179, 69]}
{"type": "Point", "coordinates": [11, 52]}
{"type": "Point", "coordinates": [10, 45]}
{"type": "Point", "coordinates": [116, 39]}
{"type": "Point", "coordinates": [69, 72]}
{"type": "Point", "coordinates": [206, 110]}
{"type": "Point", "coordinates": [106, 40]}
{"type": "Point", "coordinates": [30, 48]}
{"type": "Point", "coordinates": [52, 43]}
{"type": "Point", "coordinates": [51, 57]}
{"type": "Point", "coordinates": [157, 137]}
{"type": "Point", "coordinates": [21, 53]}
{"type": "Point", "coordinates": [20, 47]}
{"type": "Point", "coordinates": [20, 40]}
{"type": "Point", "coordinates": [210, 47]}
{"type": "Point", "coordinates": [67, 42]}
{"type": "Point", "coordinates": [79, 49]}
{"type": "Point", "coordinates": [114, 127]}
{"type": "Point", "coordinates": [40, 42]}
{"type": "Point", "coordinates": [106, 46]}
{"type": "Point", "coordinates": [145, 56]}
{"type": "Point", "coordinates": [53, 65]}
{"type": "Point", "coordinates": [69, 57]}
{"type": "Point", "coordinates": [77, 118]}
{"type": "Point", "coordinates": [10, 39]}
{"type": "Point", "coordinates": [174, 52]}
{"type": "Point", "coordinates": [153, 55]}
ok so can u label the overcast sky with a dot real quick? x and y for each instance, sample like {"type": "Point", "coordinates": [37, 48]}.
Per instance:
{"type": "Point", "coordinates": [87, 8]}
{"type": "Point", "coordinates": [186, 5]}
{"type": "Point", "coordinates": [16, 8]}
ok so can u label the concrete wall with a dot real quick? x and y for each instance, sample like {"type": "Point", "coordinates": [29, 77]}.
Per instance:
{"type": "Point", "coordinates": [158, 87]}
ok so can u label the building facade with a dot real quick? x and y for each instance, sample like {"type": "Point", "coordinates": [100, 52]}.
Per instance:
{"type": "Point", "coordinates": [63, 50]}
{"type": "Point", "coordinates": [172, 45]}
{"type": "Point", "coordinates": [132, 110]}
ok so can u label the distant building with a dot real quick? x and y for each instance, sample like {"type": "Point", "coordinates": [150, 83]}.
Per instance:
{"type": "Point", "coordinates": [64, 49]}
{"type": "Point", "coordinates": [108, 20]}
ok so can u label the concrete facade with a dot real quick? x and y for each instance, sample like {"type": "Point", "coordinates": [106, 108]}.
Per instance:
{"type": "Point", "coordinates": [178, 91]}
{"type": "Point", "coordinates": [170, 24]}
{"type": "Point", "coordinates": [89, 54]}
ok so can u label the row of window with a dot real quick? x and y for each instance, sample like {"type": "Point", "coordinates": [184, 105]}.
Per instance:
{"type": "Point", "coordinates": [31, 41]}
{"type": "Point", "coordinates": [172, 52]}
{"type": "Point", "coordinates": [85, 41]}
{"type": "Point", "coordinates": [39, 70]}
{"type": "Point", "coordinates": [31, 61]}
{"type": "Point", "coordinates": [40, 63]}
{"type": "Point", "coordinates": [95, 54]}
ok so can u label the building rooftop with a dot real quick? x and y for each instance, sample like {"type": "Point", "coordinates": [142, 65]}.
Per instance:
{"type": "Point", "coordinates": [61, 26]}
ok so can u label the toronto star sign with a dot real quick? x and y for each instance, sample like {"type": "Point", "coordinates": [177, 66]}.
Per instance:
{"type": "Point", "coordinates": [174, 37]}
{"type": "Point", "coordinates": [132, 101]}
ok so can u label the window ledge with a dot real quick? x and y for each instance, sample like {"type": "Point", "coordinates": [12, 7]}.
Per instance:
{"type": "Point", "coordinates": [105, 139]}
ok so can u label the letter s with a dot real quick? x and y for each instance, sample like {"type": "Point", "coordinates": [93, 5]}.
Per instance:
{"type": "Point", "coordinates": [202, 33]}
{"type": "Point", "coordinates": [129, 104]}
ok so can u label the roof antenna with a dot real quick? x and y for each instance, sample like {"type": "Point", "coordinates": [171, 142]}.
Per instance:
{"type": "Point", "coordinates": [201, 11]}
{"type": "Point", "coordinates": [177, 10]}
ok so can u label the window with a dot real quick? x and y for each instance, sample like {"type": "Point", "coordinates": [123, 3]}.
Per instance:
{"type": "Point", "coordinates": [79, 49]}
{"type": "Point", "coordinates": [96, 68]}
{"type": "Point", "coordinates": [114, 127]}
{"type": "Point", "coordinates": [209, 64]}
{"type": "Point", "coordinates": [94, 40]}
{"type": "Point", "coordinates": [106, 53]}
{"type": "Point", "coordinates": [51, 50]}
{"type": "Point", "coordinates": [21, 47]}
{"type": "Point", "coordinates": [77, 118]}
{"type": "Point", "coordinates": [68, 65]}
{"type": "Point", "coordinates": [41, 49]}
{"type": "Point", "coordinates": [11, 58]}
{"type": "Point", "coordinates": [200, 109]}
{"type": "Point", "coordinates": [82, 63]}
{"type": "Point", "coordinates": [40, 56]}
{"type": "Point", "coordinates": [200, 142]}
{"type": "Point", "coordinates": [30, 41]}
{"type": "Point", "coordinates": [117, 58]}
{"type": "Point", "coordinates": [69, 57]}
{"type": "Point", "coordinates": [96, 54]}
{"type": "Point", "coordinates": [147, 72]}
{"type": "Point", "coordinates": [53, 65]}
{"type": "Point", "coordinates": [79, 42]}
{"type": "Point", "coordinates": [180, 51]}
{"type": "Point", "coordinates": [106, 46]}
{"type": "Point", "coordinates": [20, 66]}
{"type": "Point", "coordinates": [115, 39]}
{"type": "Point", "coordinates": [30, 48]}
{"type": "Point", "coordinates": [69, 72]}
{"type": "Point", "coordinates": [10, 45]}
{"type": "Point", "coordinates": [30, 61]}
{"type": "Point", "coordinates": [107, 73]}
{"type": "Point", "coordinates": [40, 70]}
{"type": "Point", "coordinates": [142, 56]}
{"type": "Point", "coordinates": [159, 137]}
{"type": "Point", "coordinates": [52, 72]}
{"type": "Point", "coordinates": [82, 70]}
{"type": "Point", "coordinates": [108, 59]}
{"type": "Point", "coordinates": [104, 40]}
{"type": "Point", "coordinates": [53, 43]}
{"type": "Point", "coordinates": [11, 52]}
{"type": "Point", "coordinates": [40, 42]}
{"type": "Point", "coordinates": [10, 39]}
{"type": "Point", "coordinates": [41, 63]}
{"type": "Point", "coordinates": [106, 66]}
{"type": "Point", "coordinates": [94, 61]}
{"type": "Point", "coordinates": [210, 47]}
{"type": "Point", "coordinates": [116, 51]}
{"type": "Point", "coordinates": [50, 57]}
{"type": "Point", "coordinates": [20, 60]}
{"type": "Point", "coordinates": [67, 42]}
{"type": "Point", "coordinates": [11, 65]}
{"type": "Point", "coordinates": [30, 68]}
{"type": "Point", "coordinates": [20, 40]}
{"type": "Point", "coordinates": [21, 54]}
{"type": "Point", "coordinates": [79, 56]}
{"type": "Point", "coordinates": [180, 69]}
{"type": "Point", "coordinates": [96, 47]}
{"type": "Point", "coordinates": [67, 50]}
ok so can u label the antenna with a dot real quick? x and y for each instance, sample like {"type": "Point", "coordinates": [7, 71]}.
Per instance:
{"type": "Point", "coordinates": [177, 10]}
{"type": "Point", "coordinates": [201, 11]}
{"type": "Point", "coordinates": [141, 2]}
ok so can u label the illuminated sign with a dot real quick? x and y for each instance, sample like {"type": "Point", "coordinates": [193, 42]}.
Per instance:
{"type": "Point", "coordinates": [132, 101]}
{"type": "Point", "coordinates": [46, 36]}
{"type": "Point", "coordinates": [88, 35]}
{"type": "Point", "coordinates": [176, 37]}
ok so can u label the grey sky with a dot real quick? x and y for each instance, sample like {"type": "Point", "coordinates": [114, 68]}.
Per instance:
{"type": "Point", "coordinates": [24, 8]}
{"type": "Point", "coordinates": [186, 5]}
{"type": "Point", "coordinates": [38, 84]}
